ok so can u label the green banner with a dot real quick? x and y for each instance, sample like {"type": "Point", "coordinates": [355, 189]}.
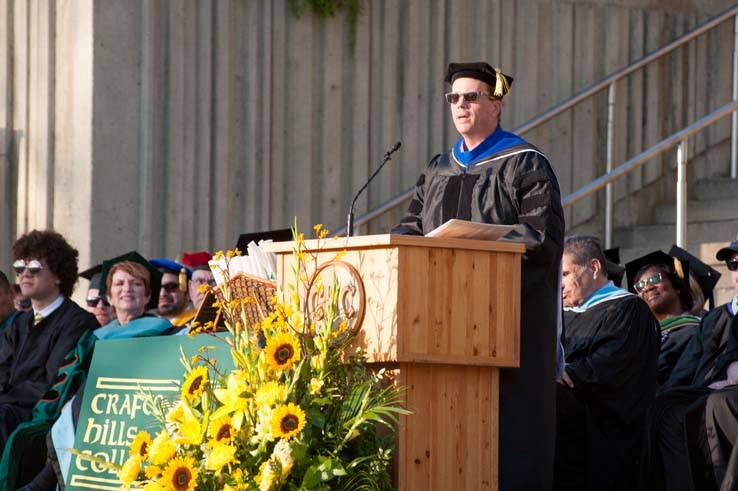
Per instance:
{"type": "Point", "coordinates": [113, 409]}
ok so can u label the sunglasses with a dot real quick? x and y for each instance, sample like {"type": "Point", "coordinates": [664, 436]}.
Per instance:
{"type": "Point", "coordinates": [170, 287]}
{"type": "Point", "coordinates": [33, 267]}
{"type": "Point", "coordinates": [732, 264]}
{"type": "Point", "coordinates": [473, 96]}
{"type": "Point", "coordinates": [93, 301]}
{"type": "Point", "coordinates": [651, 280]}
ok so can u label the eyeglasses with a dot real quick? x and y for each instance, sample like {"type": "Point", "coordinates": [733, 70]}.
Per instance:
{"type": "Point", "coordinates": [651, 280]}
{"type": "Point", "coordinates": [33, 267]}
{"type": "Point", "coordinates": [732, 264]}
{"type": "Point", "coordinates": [203, 281]}
{"type": "Point", "coordinates": [170, 287]}
{"type": "Point", "coordinates": [93, 301]}
{"type": "Point", "coordinates": [473, 96]}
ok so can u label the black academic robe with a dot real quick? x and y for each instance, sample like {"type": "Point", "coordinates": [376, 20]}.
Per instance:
{"type": "Point", "coordinates": [674, 342]}
{"type": "Point", "coordinates": [686, 452]}
{"type": "Point", "coordinates": [515, 186]}
{"type": "Point", "coordinates": [695, 367]}
{"type": "Point", "coordinates": [612, 350]}
{"type": "Point", "coordinates": [30, 357]}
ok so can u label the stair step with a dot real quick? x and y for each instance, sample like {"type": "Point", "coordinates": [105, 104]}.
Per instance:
{"type": "Point", "coordinates": [700, 210]}
{"type": "Point", "coordinates": [715, 188]}
{"type": "Point", "coordinates": [663, 236]}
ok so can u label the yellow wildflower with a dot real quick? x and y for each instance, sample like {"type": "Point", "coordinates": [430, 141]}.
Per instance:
{"type": "Point", "coordinates": [270, 393]}
{"type": "Point", "coordinates": [218, 255]}
{"type": "Point", "coordinates": [315, 386]}
{"type": "Point", "coordinates": [130, 470]}
{"type": "Point", "coordinates": [219, 456]}
{"type": "Point", "coordinates": [230, 398]}
{"type": "Point", "coordinates": [162, 450]}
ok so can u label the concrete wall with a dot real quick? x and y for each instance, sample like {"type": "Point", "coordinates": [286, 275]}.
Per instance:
{"type": "Point", "coordinates": [176, 125]}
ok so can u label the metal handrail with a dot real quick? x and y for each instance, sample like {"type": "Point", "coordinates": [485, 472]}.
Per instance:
{"type": "Point", "coordinates": [646, 155]}
{"type": "Point", "coordinates": [609, 83]}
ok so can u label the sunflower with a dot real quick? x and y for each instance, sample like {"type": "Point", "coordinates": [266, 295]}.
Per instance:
{"type": "Point", "coordinates": [222, 430]}
{"type": "Point", "coordinates": [288, 421]}
{"type": "Point", "coordinates": [195, 384]}
{"type": "Point", "coordinates": [180, 474]}
{"type": "Point", "coordinates": [161, 450]}
{"type": "Point", "coordinates": [282, 351]}
{"type": "Point", "coordinates": [141, 444]}
{"type": "Point", "coordinates": [130, 470]}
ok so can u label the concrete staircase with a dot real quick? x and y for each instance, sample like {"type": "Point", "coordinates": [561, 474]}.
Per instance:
{"type": "Point", "coordinates": [712, 222]}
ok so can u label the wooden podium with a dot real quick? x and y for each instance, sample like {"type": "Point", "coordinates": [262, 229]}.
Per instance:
{"type": "Point", "coordinates": [446, 313]}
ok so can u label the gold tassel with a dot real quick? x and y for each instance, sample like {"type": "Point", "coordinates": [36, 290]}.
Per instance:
{"type": "Point", "coordinates": [678, 268]}
{"type": "Point", "coordinates": [183, 280]}
{"type": "Point", "coordinates": [501, 85]}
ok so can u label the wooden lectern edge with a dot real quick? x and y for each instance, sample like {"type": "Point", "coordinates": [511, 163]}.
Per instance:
{"type": "Point", "coordinates": [384, 240]}
{"type": "Point", "coordinates": [459, 360]}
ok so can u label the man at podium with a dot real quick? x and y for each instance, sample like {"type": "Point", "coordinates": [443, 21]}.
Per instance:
{"type": "Point", "coordinates": [493, 176]}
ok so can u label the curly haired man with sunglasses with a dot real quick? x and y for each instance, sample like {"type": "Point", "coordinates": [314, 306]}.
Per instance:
{"type": "Point", "coordinates": [34, 345]}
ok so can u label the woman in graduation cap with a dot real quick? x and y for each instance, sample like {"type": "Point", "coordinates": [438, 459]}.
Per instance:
{"type": "Point", "coordinates": [131, 285]}
{"type": "Point", "coordinates": [662, 281]}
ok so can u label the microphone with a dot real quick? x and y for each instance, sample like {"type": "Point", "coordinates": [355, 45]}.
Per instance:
{"type": "Point", "coordinates": [387, 157]}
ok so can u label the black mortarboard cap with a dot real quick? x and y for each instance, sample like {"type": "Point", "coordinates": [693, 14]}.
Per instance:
{"type": "Point", "coordinates": [679, 266]}
{"type": "Point", "coordinates": [727, 252]}
{"type": "Point", "coordinates": [279, 235]}
{"type": "Point", "coordinates": [89, 273]}
{"type": "Point", "coordinates": [706, 276]}
{"type": "Point", "coordinates": [615, 270]}
{"type": "Point", "coordinates": [133, 256]}
{"type": "Point", "coordinates": [480, 70]}
{"type": "Point", "coordinates": [93, 276]}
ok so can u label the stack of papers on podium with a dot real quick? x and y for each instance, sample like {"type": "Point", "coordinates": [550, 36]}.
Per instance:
{"type": "Point", "coordinates": [463, 229]}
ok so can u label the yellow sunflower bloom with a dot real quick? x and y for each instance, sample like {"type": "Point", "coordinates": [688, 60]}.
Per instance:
{"type": "Point", "coordinates": [222, 430]}
{"type": "Point", "coordinates": [180, 474]}
{"type": "Point", "coordinates": [140, 445]}
{"type": "Point", "coordinates": [288, 421]}
{"type": "Point", "coordinates": [130, 470]}
{"type": "Point", "coordinates": [270, 393]}
{"type": "Point", "coordinates": [282, 351]}
{"type": "Point", "coordinates": [220, 456]}
{"type": "Point", "coordinates": [162, 449]}
{"type": "Point", "coordinates": [195, 384]}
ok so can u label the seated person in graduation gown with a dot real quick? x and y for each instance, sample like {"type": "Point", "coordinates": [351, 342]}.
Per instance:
{"type": "Point", "coordinates": [659, 279]}
{"type": "Point", "coordinates": [33, 346]}
{"type": "Point", "coordinates": [493, 176]}
{"type": "Point", "coordinates": [97, 304]}
{"type": "Point", "coordinates": [7, 307]}
{"type": "Point", "coordinates": [691, 438]}
{"type": "Point", "coordinates": [611, 346]}
{"type": "Point", "coordinates": [130, 283]}
{"type": "Point", "coordinates": [174, 299]}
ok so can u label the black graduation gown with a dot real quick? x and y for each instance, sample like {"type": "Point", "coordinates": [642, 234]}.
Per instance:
{"type": "Point", "coordinates": [682, 429]}
{"type": "Point", "coordinates": [673, 344]}
{"type": "Point", "coordinates": [695, 366]}
{"type": "Point", "coordinates": [30, 357]}
{"type": "Point", "coordinates": [515, 186]}
{"type": "Point", "coordinates": [612, 351]}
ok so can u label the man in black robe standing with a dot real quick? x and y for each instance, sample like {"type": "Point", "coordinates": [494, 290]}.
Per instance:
{"type": "Point", "coordinates": [36, 342]}
{"type": "Point", "coordinates": [493, 176]}
{"type": "Point", "coordinates": [611, 345]}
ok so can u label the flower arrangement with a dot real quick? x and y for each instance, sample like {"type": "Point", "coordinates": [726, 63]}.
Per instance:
{"type": "Point", "coordinates": [296, 411]}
